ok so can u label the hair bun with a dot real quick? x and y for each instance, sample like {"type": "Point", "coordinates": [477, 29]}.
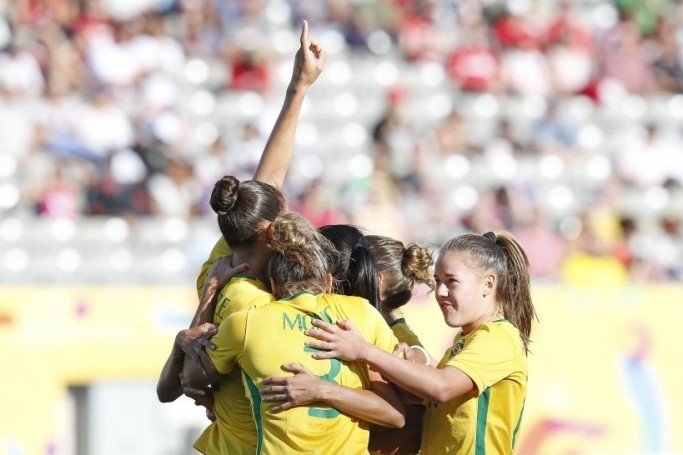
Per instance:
{"type": "Point", "coordinates": [416, 263]}
{"type": "Point", "coordinates": [224, 194]}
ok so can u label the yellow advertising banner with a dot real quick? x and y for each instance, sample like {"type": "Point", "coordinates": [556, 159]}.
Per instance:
{"type": "Point", "coordinates": [605, 372]}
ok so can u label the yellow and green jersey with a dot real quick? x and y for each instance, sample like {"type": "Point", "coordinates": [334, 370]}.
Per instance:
{"type": "Point", "coordinates": [404, 333]}
{"type": "Point", "coordinates": [264, 338]}
{"type": "Point", "coordinates": [241, 293]}
{"type": "Point", "coordinates": [494, 357]}
{"type": "Point", "coordinates": [221, 248]}
{"type": "Point", "coordinates": [233, 431]}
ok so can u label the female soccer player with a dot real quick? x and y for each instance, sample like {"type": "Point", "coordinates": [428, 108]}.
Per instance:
{"type": "Point", "coordinates": [353, 267]}
{"type": "Point", "coordinates": [309, 62]}
{"type": "Point", "coordinates": [476, 394]}
{"type": "Point", "coordinates": [257, 204]}
{"type": "Point", "coordinates": [398, 270]}
{"type": "Point", "coordinates": [261, 339]}
{"type": "Point", "coordinates": [244, 213]}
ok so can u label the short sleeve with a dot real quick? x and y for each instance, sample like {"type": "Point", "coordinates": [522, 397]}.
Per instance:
{"type": "Point", "coordinates": [382, 335]}
{"type": "Point", "coordinates": [487, 357]}
{"type": "Point", "coordinates": [229, 341]}
{"type": "Point", "coordinates": [404, 333]}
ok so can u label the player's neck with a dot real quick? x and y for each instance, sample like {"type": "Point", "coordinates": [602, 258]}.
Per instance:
{"type": "Point", "coordinates": [257, 258]}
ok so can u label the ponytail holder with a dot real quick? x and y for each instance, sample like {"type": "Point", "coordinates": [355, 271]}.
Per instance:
{"type": "Point", "coordinates": [222, 212]}
{"type": "Point", "coordinates": [361, 243]}
{"type": "Point", "coordinates": [491, 236]}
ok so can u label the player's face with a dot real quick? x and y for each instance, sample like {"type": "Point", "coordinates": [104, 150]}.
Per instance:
{"type": "Point", "coordinates": [459, 291]}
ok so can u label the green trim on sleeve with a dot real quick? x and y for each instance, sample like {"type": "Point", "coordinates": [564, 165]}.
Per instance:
{"type": "Point", "coordinates": [397, 321]}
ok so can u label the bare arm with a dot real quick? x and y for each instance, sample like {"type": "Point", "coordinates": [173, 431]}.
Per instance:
{"type": "Point", "coordinates": [188, 347]}
{"type": "Point", "coordinates": [399, 441]}
{"type": "Point", "coordinates": [344, 342]}
{"type": "Point", "coordinates": [308, 64]}
{"type": "Point", "coordinates": [169, 387]}
{"type": "Point", "coordinates": [219, 275]}
{"type": "Point", "coordinates": [379, 405]}
{"type": "Point", "coordinates": [198, 375]}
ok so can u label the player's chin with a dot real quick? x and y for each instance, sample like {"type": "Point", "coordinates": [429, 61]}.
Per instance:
{"type": "Point", "coordinates": [449, 316]}
{"type": "Point", "coordinates": [452, 322]}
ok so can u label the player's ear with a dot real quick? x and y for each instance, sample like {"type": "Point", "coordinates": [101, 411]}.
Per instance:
{"type": "Point", "coordinates": [489, 285]}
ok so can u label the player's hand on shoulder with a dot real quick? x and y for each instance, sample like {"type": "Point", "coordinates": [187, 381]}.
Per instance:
{"type": "Point", "coordinates": [222, 271]}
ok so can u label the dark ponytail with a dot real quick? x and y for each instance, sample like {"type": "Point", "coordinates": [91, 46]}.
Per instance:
{"type": "Point", "coordinates": [353, 266]}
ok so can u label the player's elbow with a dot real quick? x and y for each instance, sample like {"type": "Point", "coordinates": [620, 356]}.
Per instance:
{"type": "Point", "coordinates": [439, 393]}
{"type": "Point", "coordinates": [165, 395]}
{"type": "Point", "coordinates": [398, 420]}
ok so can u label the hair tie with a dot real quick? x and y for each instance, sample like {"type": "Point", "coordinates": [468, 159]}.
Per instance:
{"type": "Point", "coordinates": [490, 236]}
{"type": "Point", "coordinates": [222, 212]}
{"type": "Point", "coordinates": [361, 243]}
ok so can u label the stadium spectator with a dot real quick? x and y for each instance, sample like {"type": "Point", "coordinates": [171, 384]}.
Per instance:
{"type": "Point", "coordinates": [624, 57]}
{"type": "Point", "coordinates": [67, 103]}
{"type": "Point", "coordinates": [667, 64]}
{"type": "Point", "coordinates": [474, 65]}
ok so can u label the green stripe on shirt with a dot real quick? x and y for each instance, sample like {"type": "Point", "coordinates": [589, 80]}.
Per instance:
{"type": "Point", "coordinates": [256, 410]}
{"type": "Point", "coordinates": [482, 413]}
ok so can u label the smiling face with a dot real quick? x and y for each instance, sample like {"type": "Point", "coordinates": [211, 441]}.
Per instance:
{"type": "Point", "coordinates": [465, 296]}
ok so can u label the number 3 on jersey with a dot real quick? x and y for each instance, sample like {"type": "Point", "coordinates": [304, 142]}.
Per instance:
{"type": "Point", "coordinates": [335, 368]}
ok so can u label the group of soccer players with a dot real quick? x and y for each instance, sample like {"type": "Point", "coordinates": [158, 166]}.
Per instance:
{"type": "Point", "coordinates": [297, 347]}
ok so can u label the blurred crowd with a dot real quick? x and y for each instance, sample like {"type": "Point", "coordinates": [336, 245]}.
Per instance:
{"type": "Point", "coordinates": [562, 121]}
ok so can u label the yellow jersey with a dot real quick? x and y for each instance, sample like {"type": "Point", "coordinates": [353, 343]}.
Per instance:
{"type": "Point", "coordinates": [266, 337]}
{"type": "Point", "coordinates": [233, 431]}
{"type": "Point", "coordinates": [221, 248]}
{"type": "Point", "coordinates": [494, 357]}
{"type": "Point", "coordinates": [404, 333]}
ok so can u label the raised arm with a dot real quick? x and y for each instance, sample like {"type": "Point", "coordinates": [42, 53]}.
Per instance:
{"type": "Point", "coordinates": [379, 405]}
{"type": "Point", "coordinates": [277, 154]}
{"type": "Point", "coordinates": [308, 64]}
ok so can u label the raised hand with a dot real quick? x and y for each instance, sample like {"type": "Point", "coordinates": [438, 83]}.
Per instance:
{"type": "Point", "coordinates": [309, 61]}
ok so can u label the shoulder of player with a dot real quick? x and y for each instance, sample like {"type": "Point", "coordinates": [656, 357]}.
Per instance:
{"type": "Point", "coordinates": [499, 331]}
{"type": "Point", "coordinates": [349, 300]}
{"type": "Point", "coordinates": [246, 283]}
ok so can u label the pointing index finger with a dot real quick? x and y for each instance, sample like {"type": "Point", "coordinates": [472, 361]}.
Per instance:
{"type": "Point", "coordinates": [305, 42]}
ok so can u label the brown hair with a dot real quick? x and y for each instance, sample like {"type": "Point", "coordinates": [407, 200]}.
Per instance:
{"type": "Point", "coordinates": [401, 267]}
{"type": "Point", "coordinates": [501, 253]}
{"type": "Point", "coordinates": [242, 208]}
{"type": "Point", "coordinates": [300, 255]}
